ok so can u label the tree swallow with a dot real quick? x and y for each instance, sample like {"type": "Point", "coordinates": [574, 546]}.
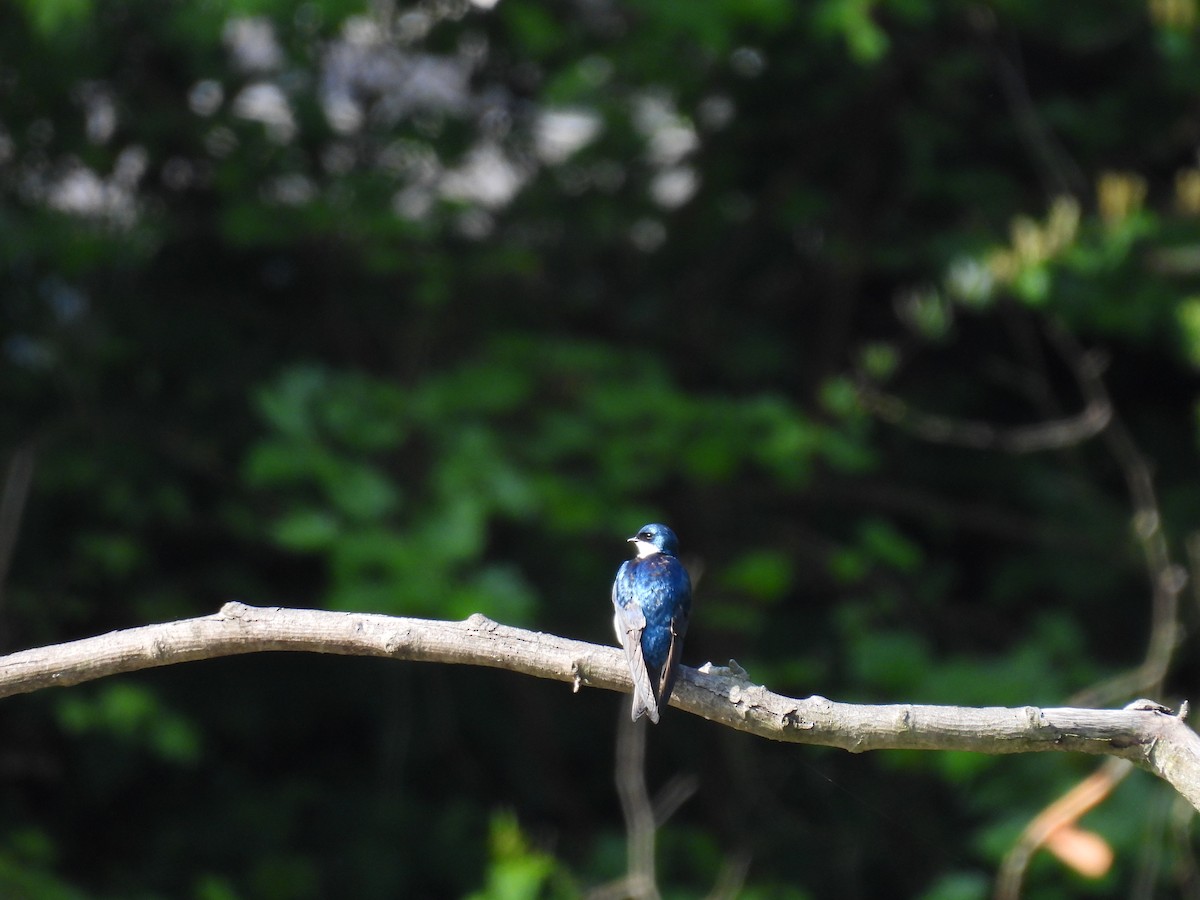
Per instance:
{"type": "Point", "coordinates": [652, 596]}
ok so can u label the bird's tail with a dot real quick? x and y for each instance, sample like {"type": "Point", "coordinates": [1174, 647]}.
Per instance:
{"type": "Point", "coordinates": [644, 701]}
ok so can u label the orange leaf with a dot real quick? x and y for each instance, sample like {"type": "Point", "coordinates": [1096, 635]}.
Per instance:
{"type": "Point", "coordinates": [1084, 851]}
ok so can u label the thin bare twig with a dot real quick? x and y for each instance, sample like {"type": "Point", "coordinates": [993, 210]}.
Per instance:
{"type": "Point", "coordinates": [1060, 174]}
{"type": "Point", "coordinates": [978, 435]}
{"type": "Point", "coordinates": [1148, 872]}
{"type": "Point", "coordinates": [673, 795]}
{"type": "Point", "coordinates": [731, 877]}
{"type": "Point", "coordinates": [1167, 579]}
{"type": "Point", "coordinates": [1054, 434]}
{"type": "Point", "coordinates": [642, 817]}
{"type": "Point", "coordinates": [641, 882]}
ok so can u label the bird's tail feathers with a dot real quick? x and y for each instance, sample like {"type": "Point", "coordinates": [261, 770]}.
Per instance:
{"type": "Point", "coordinates": [644, 700]}
{"type": "Point", "coordinates": [643, 706]}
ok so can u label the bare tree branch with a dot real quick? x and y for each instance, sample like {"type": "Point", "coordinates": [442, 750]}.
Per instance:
{"type": "Point", "coordinates": [1052, 435]}
{"type": "Point", "coordinates": [1144, 733]}
{"type": "Point", "coordinates": [984, 435]}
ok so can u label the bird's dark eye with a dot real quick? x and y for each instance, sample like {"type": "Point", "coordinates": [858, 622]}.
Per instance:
{"type": "Point", "coordinates": [645, 536]}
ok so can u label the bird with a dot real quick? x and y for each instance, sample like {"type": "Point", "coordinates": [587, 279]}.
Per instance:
{"type": "Point", "coordinates": [652, 601]}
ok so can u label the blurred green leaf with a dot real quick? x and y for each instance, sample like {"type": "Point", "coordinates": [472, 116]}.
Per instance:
{"type": "Point", "coordinates": [1189, 323]}
{"type": "Point", "coordinates": [887, 545]}
{"type": "Point", "coordinates": [960, 886]}
{"type": "Point", "coordinates": [763, 574]}
{"type": "Point", "coordinates": [890, 663]}
{"type": "Point", "coordinates": [516, 871]}
{"type": "Point", "coordinates": [307, 529]}
{"type": "Point", "coordinates": [132, 714]}
{"type": "Point", "coordinates": [851, 20]}
{"type": "Point", "coordinates": [51, 16]}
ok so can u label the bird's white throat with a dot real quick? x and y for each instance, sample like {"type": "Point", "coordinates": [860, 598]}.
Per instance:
{"type": "Point", "coordinates": [644, 549]}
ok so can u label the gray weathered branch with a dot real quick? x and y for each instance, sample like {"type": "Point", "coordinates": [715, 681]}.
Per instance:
{"type": "Point", "coordinates": [1143, 733]}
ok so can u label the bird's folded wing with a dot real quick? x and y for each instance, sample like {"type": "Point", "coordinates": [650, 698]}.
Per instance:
{"type": "Point", "coordinates": [670, 668]}
{"type": "Point", "coordinates": [631, 624]}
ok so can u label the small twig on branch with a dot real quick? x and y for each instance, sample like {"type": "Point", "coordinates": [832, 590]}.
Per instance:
{"type": "Point", "coordinates": [1144, 733]}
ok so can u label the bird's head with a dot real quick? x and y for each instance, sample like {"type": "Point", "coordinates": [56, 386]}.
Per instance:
{"type": "Point", "coordinates": [655, 538]}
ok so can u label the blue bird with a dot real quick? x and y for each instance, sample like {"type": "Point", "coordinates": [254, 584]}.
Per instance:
{"type": "Point", "coordinates": [652, 596]}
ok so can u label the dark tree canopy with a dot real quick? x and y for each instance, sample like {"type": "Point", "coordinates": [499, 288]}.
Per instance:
{"type": "Point", "coordinates": [891, 310]}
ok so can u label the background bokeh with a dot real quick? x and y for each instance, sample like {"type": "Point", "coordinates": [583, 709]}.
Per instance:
{"type": "Point", "coordinates": [422, 308]}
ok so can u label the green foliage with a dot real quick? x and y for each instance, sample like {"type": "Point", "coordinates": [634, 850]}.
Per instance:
{"type": "Point", "coordinates": [517, 871]}
{"type": "Point", "coordinates": [959, 886]}
{"type": "Point", "coordinates": [131, 714]}
{"type": "Point", "coordinates": [27, 860]}
{"type": "Point", "coordinates": [539, 435]}
{"type": "Point", "coordinates": [851, 20]}
{"type": "Point", "coordinates": [764, 575]}
{"type": "Point", "coordinates": [53, 16]}
{"type": "Point", "coordinates": [1188, 313]}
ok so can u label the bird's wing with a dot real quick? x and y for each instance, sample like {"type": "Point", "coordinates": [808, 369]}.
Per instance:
{"type": "Point", "coordinates": [630, 622]}
{"type": "Point", "coordinates": [679, 624]}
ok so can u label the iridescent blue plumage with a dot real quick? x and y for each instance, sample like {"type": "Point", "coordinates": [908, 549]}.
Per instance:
{"type": "Point", "coordinates": [652, 599]}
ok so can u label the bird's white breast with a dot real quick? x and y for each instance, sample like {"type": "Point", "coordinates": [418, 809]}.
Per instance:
{"type": "Point", "coordinates": [644, 549]}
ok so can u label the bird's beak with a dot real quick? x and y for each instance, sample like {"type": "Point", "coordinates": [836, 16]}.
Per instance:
{"type": "Point", "coordinates": [632, 540]}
